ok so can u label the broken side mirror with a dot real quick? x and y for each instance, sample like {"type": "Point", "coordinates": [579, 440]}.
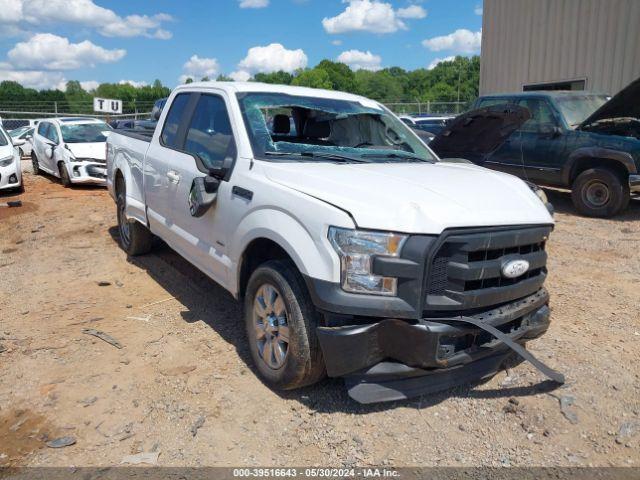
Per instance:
{"type": "Point", "coordinates": [202, 194]}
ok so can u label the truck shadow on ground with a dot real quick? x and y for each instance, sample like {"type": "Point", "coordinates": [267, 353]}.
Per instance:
{"type": "Point", "coordinates": [561, 201]}
{"type": "Point", "coordinates": [206, 301]}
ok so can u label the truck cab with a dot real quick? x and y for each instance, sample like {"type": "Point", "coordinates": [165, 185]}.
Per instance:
{"type": "Point", "coordinates": [354, 250]}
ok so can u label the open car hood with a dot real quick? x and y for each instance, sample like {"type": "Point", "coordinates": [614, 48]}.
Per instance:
{"type": "Point", "coordinates": [625, 104]}
{"type": "Point", "coordinates": [475, 134]}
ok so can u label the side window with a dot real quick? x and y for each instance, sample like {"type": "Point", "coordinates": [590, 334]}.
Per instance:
{"type": "Point", "coordinates": [42, 129]}
{"type": "Point", "coordinates": [52, 134]}
{"type": "Point", "coordinates": [169, 135]}
{"type": "Point", "coordinates": [488, 102]}
{"type": "Point", "coordinates": [541, 115]}
{"type": "Point", "coordinates": [209, 134]}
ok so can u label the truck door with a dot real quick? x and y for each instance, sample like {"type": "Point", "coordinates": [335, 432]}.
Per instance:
{"type": "Point", "coordinates": [203, 138]}
{"type": "Point", "coordinates": [543, 142]}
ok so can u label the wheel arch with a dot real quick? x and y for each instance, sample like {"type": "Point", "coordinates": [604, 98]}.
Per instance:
{"type": "Point", "coordinates": [592, 157]}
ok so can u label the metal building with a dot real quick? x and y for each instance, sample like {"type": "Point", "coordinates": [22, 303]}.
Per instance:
{"type": "Point", "coordinates": [559, 45]}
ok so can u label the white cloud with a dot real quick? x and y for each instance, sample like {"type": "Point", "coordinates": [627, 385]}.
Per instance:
{"type": "Point", "coordinates": [89, 85]}
{"type": "Point", "coordinates": [33, 78]}
{"type": "Point", "coordinates": [461, 41]}
{"type": "Point", "coordinates": [240, 76]}
{"type": "Point", "coordinates": [45, 51]}
{"type": "Point", "coordinates": [84, 13]}
{"type": "Point", "coordinates": [358, 60]}
{"type": "Point", "coordinates": [412, 11]}
{"type": "Point", "coordinates": [254, 3]}
{"type": "Point", "coordinates": [365, 16]}
{"type": "Point", "coordinates": [197, 68]}
{"type": "Point", "coordinates": [336, 42]}
{"type": "Point", "coordinates": [436, 61]}
{"type": "Point", "coordinates": [478, 10]}
{"type": "Point", "coordinates": [272, 58]}
{"type": "Point", "coordinates": [133, 83]}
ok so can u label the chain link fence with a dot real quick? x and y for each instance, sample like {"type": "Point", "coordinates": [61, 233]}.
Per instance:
{"type": "Point", "coordinates": [15, 114]}
{"type": "Point", "coordinates": [428, 108]}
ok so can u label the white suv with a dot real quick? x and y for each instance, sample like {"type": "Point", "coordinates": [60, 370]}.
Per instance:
{"type": "Point", "coordinates": [72, 149]}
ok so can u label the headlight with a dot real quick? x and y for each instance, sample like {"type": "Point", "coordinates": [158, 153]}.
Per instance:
{"type": "Point", "coordinates": [541, 195]}
{"type": "Point", "coordinates": [357, 249]}
{"type": "Point", "coordinates": [5, 162]}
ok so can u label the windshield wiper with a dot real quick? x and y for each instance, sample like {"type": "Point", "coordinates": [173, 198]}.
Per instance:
{"type": "Point", "coordinates": [396, 155]}
{"type": "Point", "coordinates": [327, 156]}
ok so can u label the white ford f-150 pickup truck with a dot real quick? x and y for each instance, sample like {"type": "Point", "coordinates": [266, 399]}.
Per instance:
{"type": "Point", "coordinates": [355, 250]}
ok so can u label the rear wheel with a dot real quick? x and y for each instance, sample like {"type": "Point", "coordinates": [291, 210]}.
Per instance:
{"type": "Point", "coordinates": [599, 192]}
{"type": "Point", "coordinates": [35, 163]}
{"type": "Point", "coordinates": [281, 327]}
{"type": "Point", "coordinates": [64, 175]}
{"type": "Point", "coordinates": [135, 238]}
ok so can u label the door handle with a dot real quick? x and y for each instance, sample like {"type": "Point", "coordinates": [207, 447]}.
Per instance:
{"type": "Point", "coordinates": [173, 176]}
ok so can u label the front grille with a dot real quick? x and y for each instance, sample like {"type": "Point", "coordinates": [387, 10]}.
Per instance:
{"type": "Point", "coordinates": [466, 270]}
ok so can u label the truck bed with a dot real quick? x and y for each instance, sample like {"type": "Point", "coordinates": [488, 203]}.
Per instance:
{"type": "Point", "coordinates": [144, 135]}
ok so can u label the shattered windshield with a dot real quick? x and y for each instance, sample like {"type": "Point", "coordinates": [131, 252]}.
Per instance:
{"type": "Point", "coordinates": [85, 132]}
{"type": "Point", "coordinates": [576, 108]}
{"type": "Point", "coordinates": [291, 127]}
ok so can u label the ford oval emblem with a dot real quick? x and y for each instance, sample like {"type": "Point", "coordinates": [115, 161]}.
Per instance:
{"type": "Point", "coordinates": [515, 268]}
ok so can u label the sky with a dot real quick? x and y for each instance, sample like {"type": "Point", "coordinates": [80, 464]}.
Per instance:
{"type": "Point", "coordinates": [44, 43]}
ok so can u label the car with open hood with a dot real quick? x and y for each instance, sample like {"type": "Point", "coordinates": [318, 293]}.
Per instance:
{"type": "Point", "coordinates": [581, 141]}
{"type": "Point", "coordinates": [355, 251]}
{"type": "Point", "coordinates": [72, 149]}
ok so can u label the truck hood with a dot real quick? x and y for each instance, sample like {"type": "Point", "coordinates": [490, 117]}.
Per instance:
{"type": "Point", "coordinates": [625, 104]}
{"type": "Point", "coordinates": [88, 150]}
{"type": "Point", "coordinates": [477, 133]}
{"type": "Point", "coordinates": [415, 197]}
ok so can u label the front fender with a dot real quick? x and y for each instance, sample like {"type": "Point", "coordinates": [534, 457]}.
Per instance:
{"type": "Point", "coordinates": [623, 158]}
{"type": "Point", "coordinates": [309, 248]}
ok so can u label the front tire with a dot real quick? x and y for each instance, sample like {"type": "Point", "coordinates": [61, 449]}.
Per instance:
{"type": "Point", "coordinates": [281, 327]}
{"type": "Point", "coordinates": [64, 175]}
{"type": "Point", "coordinates": [35, 163]}
{"type": "Point", "coordinates": [135, 238]}
{"type": "Point", "coordinates": [599, 192]}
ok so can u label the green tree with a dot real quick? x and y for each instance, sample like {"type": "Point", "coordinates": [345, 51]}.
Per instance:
{"type": "Point", "coordinates": [314, 78]}
{"type": "Point", "coordinates": [279, 78]}
{"type": "Point", "coordinates": [224, 78]}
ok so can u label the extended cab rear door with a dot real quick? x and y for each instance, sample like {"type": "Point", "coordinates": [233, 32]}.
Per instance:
{"type": "Point", "coordinates": [196, 135]}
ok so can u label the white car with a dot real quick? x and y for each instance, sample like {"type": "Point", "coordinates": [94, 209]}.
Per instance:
{"type": "Point", "coordinates": [10, 168]}
{"type": "Point", "coordinates": [355, 251]}
{"type": "Point", "coordinates": [26, 134]}
{"type": "Point", "coordinates": [72, 149]}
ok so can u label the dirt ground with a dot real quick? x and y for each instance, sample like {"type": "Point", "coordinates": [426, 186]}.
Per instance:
{"type": "Point", "coordinates": [182, 387]}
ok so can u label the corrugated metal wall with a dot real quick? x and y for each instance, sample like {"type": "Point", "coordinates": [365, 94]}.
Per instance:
{"type": "Point", "coordinates": [540, 41]}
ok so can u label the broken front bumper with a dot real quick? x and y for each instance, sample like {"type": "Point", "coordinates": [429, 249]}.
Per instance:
{"type": "Point", "coordinates": [395, 359]}
{"type": "Point", "coordinates": [88, 172]}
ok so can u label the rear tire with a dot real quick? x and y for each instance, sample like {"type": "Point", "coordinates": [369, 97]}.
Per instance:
{"type": "Point", "coordinates": [600, 192]}
{"type": "Point", "coordinates": [135, 238]}
{"type": "Point", "coordinates": [64, 175]}
{"type": "Point", "coordinates": [35, 164]}
{"type": "Point", "coordinates": [281, 322]}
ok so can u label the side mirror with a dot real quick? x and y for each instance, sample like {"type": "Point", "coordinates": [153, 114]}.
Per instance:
{"type": "Point", "coordinates": [18, 142]}
{"type": "Point", "coordinates": [156, 114]}
{"type": "Point", "coordinates": [202, 195]}
{"type": "Point", "coordinates": [29, 137]}
{"type": "Point", "coordinates": [550, 131]}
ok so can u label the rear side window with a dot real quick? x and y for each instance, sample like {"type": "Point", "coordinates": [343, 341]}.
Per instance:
{"type": "Point", "coordinates": [169, 135]}
{"type": "Point", "coordinates": [541, 115]}
{"type": "Point", "coordinates": [209, 135]}
{"type": "Point", "coordinates": [488, 102]}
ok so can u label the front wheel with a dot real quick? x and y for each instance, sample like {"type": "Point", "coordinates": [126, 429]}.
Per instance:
{"type": "Point", "coordinates": [281, 327]}
{"type": "Point", "coordinates": [64, 175]}
{"type": "Point", "coordinates": [599, 192]}
{"type": "Point", "coordinates": [35, 163]}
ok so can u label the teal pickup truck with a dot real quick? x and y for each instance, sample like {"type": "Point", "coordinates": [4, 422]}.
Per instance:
{"type": "Point", "coordinates": [576, 140]}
